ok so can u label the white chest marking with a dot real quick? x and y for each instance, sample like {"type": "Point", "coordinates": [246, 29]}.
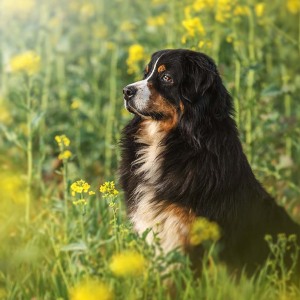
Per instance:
{"type": "Point", "coordinates": [169, 222]}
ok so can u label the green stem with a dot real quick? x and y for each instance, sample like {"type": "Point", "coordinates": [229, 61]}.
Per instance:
{"type": "Point", "coordinates": [248, 125]}
{"type": "Point", "coordinates": [66, 197]}
{"type": "Point", "coordinates": [110, 118]}
{"type": "Point", "coordinates": [44, 108]}
{"type": "Point", "coordinates": [250, 83]}
{"type": "Point", "coordinates": [82, 226]}
{"type": "Point", "coordinates": [29, 152]}
{"type": "Point", "coordinates": [237, 79]}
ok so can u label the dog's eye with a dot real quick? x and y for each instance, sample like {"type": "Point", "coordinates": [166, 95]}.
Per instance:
{"type": "Point", "coordinates": [167, 78]}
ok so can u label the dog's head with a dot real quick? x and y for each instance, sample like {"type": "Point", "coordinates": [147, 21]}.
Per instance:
{"type": "Point", "coordinates": [178, 83]}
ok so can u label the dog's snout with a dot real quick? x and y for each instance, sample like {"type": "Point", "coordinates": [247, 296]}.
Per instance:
{"type": "Point", "coordinates": [129, 92]}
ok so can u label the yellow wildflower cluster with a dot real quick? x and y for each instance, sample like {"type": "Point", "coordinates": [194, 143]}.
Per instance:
{"type": "Point", "coordinates": [129, 263]}
{"type": "Point", "coordinates": [199, 5]}
{"type": "Point", "coordinates": [108, 189]}
{"type": "Point", "coordinates": [205, 44]}
{"type": "Point", "coordinates": [12, 185]}
{"type": "Point", "coordinates": [156, 21]}
{"type": "Point", "coordinates": [193, 26]}
{"type": "Point", "coordinates": [76, 103]}
{"type": "Point", "coordinates": [91, 289]}
{"type": "Point", "coordinates": [136, 55]}
{"type": "Point", "coordinates": [87, 10]}
{"type": "Point", "coordinates": [259, 9]}
{"type": "Point", "coordinates": [203, 230]}
{"type": "Point", "coordinates": [127, 26]}
{"type": "Point", "coordinates": [79, 187]}
{"type": "Point", "coordinates": [223, 10]}
{"type": "Point", "coordinates": [62, 140]}
{"type": "Point", "coordinates": [80, 202]}
{"type": "Point", "coordinates": [66, 154]}
{"type": "Point", "coordinates": [27, 62]}
{"type": "Point", "coordinates": [293, 6]}
{"type": "Point", "coordinates": [241, 10]}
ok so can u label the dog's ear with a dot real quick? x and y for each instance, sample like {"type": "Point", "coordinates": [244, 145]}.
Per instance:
{"type": "Point", "coordinates": [203, 87]}
{"type": "Point", "coordinates": [197, 77]}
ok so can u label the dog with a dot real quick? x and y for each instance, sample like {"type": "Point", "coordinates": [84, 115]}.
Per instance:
{"type": "Point", "coordinates": [181, 158]}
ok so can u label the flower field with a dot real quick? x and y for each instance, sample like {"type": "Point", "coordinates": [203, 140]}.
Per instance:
{"type": "Point", "coordinates": [63, 227]}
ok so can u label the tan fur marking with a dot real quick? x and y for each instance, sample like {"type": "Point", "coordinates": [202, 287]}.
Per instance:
{"type": "Point", "coordinates": [160, 104]}
{"type": "Point", "coordinates": [147, 69]}
{"type": "Point", "coordinates": [161, 68]}
{"type": "Point", "coordinates": [181, 106]}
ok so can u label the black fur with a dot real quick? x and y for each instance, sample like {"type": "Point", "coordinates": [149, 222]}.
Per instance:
{"type": "Point", "coordinates": [204, 168]}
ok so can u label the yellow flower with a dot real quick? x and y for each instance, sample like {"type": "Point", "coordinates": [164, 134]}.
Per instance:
{"type": "Point", "coordinates": [76, 103]}
{"type": "Point", "coordinates": [199, 5]}
{"type": "Point", "coordinates": [91, 193]}
{"type": "Point", "coordinates": [223, 11]}
{"type": "Point", "coordinates": [91, 289]}
{"type": "Point", "coordinates": [229, 39]}
{"type": "Point", "coordinates": [87, 10]}
{"type": "Point", "coordinates": [62, 140]}
{"type": "Point", "coordinates": [28, 62]}
{"type": "Point", "coordinates": [193, 26]}
{"type": "Point", "coordinates": [259, 9]}
{"type": "Point", "coordinates": [128, 263]}
{"type": "Point", "coordinates": [241, 10]}
{"type": "Point", "coordinates": [66, 154]}
{"type": "Point", "coordinates": [156, 21]}
{"type": "Point", "coordinates": [108, 189]}
{"type": "Point", "coordinates": [127, 26]}
{"type": "Point", "coordinates": [12, 185]}
{"type": "Point", "coordinates": [79, 186]}
{"type": "Point", "coordinates": [201, 44]}
{"type": "Point", "coordinates": [205, 44]}
{"type": "Point", "coordinates": [135, 55]}
{"type": "Point", "coordinates": [293, 6]}
{"type": "Point", "coordinates": [203, 230]}
{"type": "Point", "coordinates": [80, 202]}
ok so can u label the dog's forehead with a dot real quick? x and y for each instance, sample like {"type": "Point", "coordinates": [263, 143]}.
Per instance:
{"type": "Point", "coordinates": [164, 62]}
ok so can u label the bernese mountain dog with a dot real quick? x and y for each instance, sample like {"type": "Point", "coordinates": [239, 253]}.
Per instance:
{"type": "Point", "coordinates": [182, 159]}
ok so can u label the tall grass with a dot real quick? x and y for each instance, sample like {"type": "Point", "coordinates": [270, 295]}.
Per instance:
{"type": "Point", "coordinates": [49, 246]}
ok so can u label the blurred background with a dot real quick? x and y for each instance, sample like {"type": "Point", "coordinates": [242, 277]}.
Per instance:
{"type": "Point", "coordinates": [63, 65]}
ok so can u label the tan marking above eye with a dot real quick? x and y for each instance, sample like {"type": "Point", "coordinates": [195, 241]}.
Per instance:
{"type": "Point", "coordinates": [181, 106]}
{"type": "Point", "coordinates": [161, 68]}
{"type": "Point", "coordinates": [147, 68]}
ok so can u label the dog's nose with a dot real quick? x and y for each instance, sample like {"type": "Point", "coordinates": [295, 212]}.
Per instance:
{"type": "Point", "coordinates": [129, 92]}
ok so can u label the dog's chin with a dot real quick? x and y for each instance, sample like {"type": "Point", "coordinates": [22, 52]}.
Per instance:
{"type": "Point", "coordinates": [135, 111]}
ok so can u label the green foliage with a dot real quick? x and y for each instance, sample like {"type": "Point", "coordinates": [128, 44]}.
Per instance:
{"type": "Point", "coordinates": [63, 65]}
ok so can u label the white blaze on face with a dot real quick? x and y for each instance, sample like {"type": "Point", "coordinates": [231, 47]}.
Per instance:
{"type": "Point", "coordinates": [142, 95]}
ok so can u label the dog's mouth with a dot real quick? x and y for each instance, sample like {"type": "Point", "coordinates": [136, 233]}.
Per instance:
{"type": "Point", "coordinates": [135, 111]}
{"type": "Point", "coordinates": [145, 115]}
